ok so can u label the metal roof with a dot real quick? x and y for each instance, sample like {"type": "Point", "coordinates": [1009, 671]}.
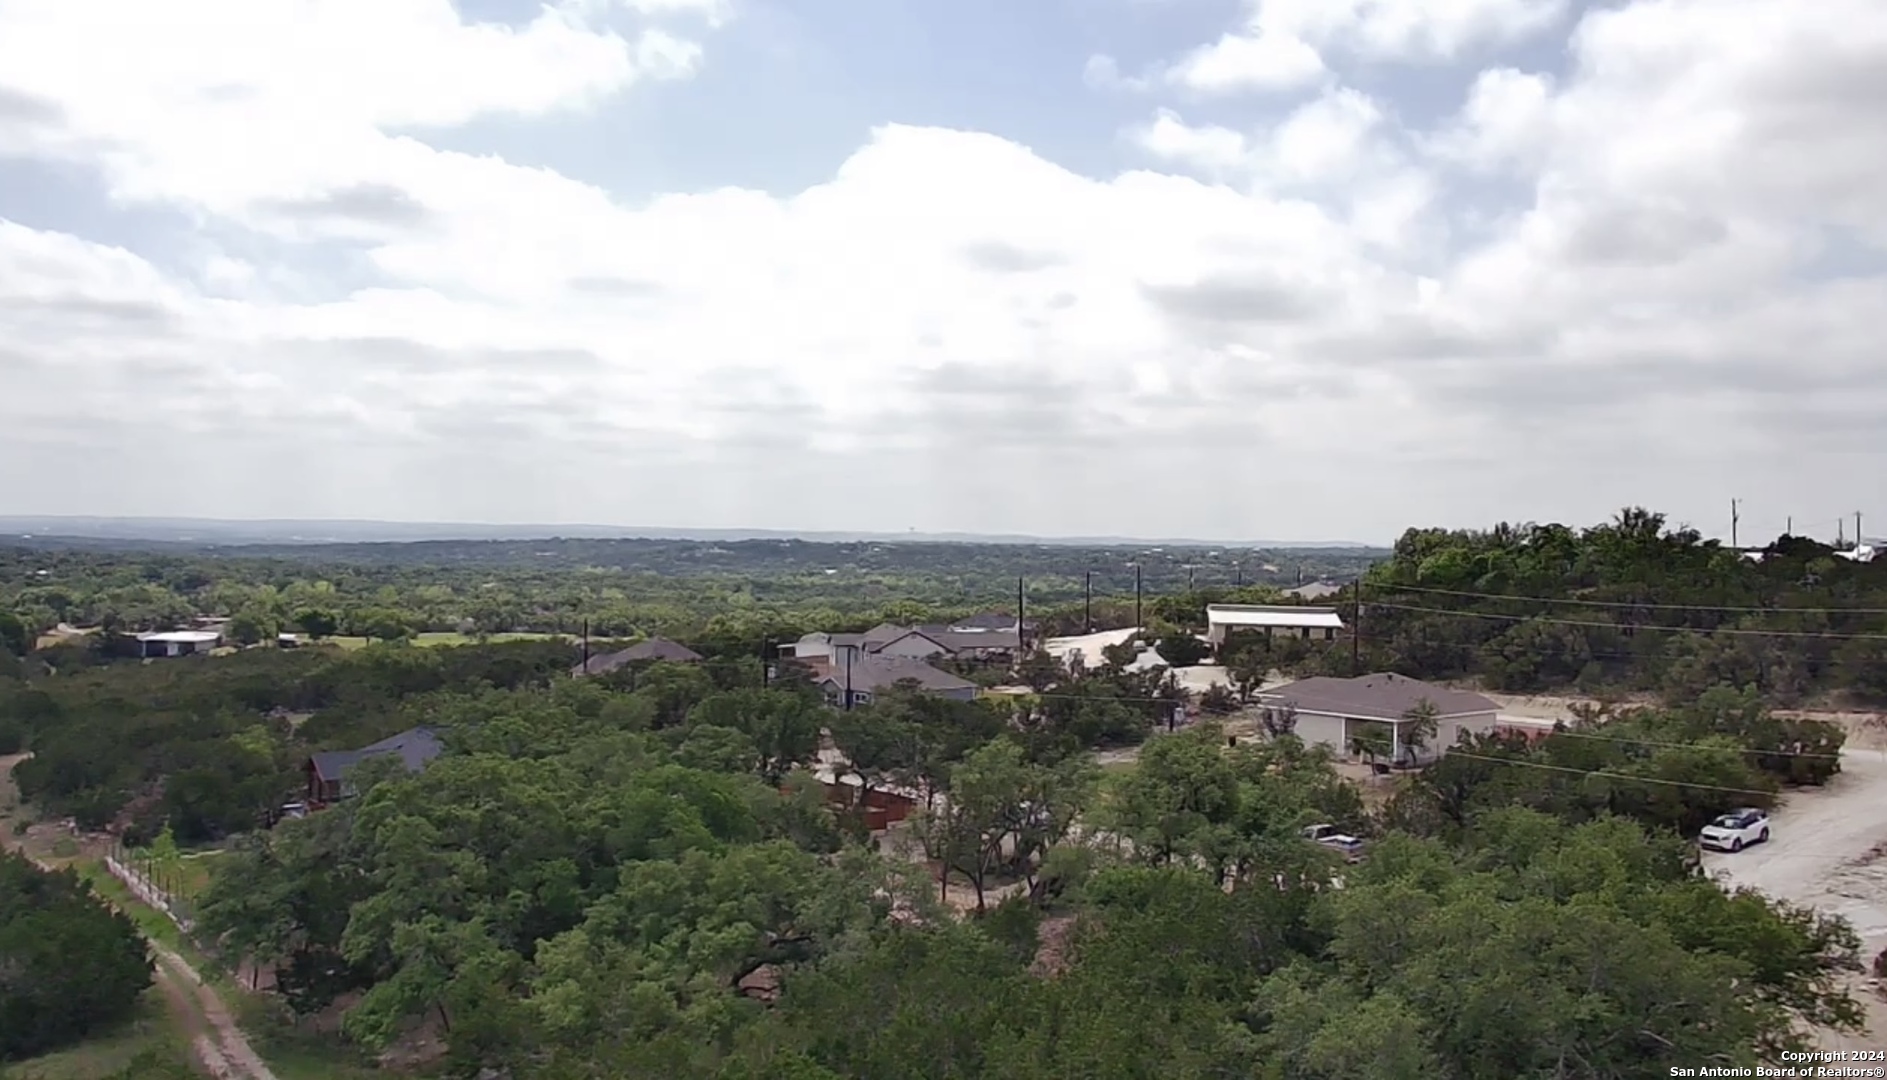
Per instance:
{"type": "Point", "coordinates": [182, 637]}
{"type": "Point", "coordinates": [1291, 616]}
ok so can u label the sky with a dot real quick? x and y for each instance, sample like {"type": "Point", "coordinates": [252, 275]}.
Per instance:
{"type": "Point", "coordinates": [1212, 268]}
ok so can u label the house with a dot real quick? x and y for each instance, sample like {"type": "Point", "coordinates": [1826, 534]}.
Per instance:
{"type": "Point", "coordinates": [654, 649]}
{"type": "Point", "coordinates": [1335, 711]}
{"type": "Point", "coordinates": [1319, 623]}
{"type": "Point", "coordinates": [864, 676]}
{"type": "Point", "coordinates": [971, 639]}
{"type": "Point", "coordinates": [178, 642]}
{"type": "Point", "coordinates": [328, 770]}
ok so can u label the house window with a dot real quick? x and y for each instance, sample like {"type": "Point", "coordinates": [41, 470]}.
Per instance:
{"type": "Point", "coordinates": [861, 697]}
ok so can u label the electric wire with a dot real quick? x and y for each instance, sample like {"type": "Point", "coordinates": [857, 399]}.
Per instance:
{"type": "Point", "coordinates": [1632, 604]}
{"type": "Point", "coordinates": [1598, 625]}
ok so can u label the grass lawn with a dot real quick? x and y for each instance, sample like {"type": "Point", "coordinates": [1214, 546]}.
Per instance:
{"type": "Point", "coordinates": [447, 638]}
{"type": "Point", "coordinates": [150, 1040]}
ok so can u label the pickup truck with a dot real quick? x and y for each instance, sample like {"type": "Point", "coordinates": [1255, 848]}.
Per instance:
{"type": "Point", "coordinates": [1328, 836]}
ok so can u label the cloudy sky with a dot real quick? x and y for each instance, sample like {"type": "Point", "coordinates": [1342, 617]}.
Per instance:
{"type": "Point", "coordinates": [1278, 268]}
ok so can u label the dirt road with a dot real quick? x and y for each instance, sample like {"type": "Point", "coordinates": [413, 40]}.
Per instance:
{"type": "Point", "coordinates": [1829, 852]}
{"type": "Point", "coordinates": [222, 1050]}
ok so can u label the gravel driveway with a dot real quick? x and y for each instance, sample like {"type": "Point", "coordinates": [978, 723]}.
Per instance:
{"type": "Point", "coordinates": [1828, 850]}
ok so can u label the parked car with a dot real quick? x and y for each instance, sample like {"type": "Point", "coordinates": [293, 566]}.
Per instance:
{"type": "Point", "coordinates": [1736, 830]}
{"type": "Point", "coordinates": [1328, 836]}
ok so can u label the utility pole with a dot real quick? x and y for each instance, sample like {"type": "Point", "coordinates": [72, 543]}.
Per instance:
{"type": "Point", "coordinates": [1734, 519]}
{"type": "Point", "coordinates": [766, 663]}
{"type": "Point", "coordinates": [1788, 529]}
{"type": "Point", "coordinates": [1356, 629]}
{"type": "Point", "coordinates": [1857, 529]}
{"type": "Point", "coordinates": [586, 648]}
{"type": "Point", "coordinates": [1019, 613]}
{"type": "Point", "coordinates": [1238, 575]}
{"type": "Point", "coordinates": [848, 678]}
{"type": "Point", "coordinates": [1136, 596]}
{"type": "Point", "coordinates": [1089, 608]}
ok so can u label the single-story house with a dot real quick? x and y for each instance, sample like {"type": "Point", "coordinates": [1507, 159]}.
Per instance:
{"type": "Point", "coordinates": [178, 642]}
{"type": "Point", "coordinates": [1335, 711]}
{"type": "Point", "coordinates": [864, 676]}
{"type": "Point", "coordinates": [328, 770]}
{"type": "Point", "coordinates": [651, 650]}
{"type": "Point", "coordinates": [1309, 622]}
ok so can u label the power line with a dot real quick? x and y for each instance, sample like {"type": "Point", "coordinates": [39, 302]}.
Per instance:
{"type": "Point", "coordinates": [1697, 746]}
{"type": "Point", "coordinates": [1613, 775]}
{"type": "Point", "coordinates": [1632, 604]}
{"type": "Point", "coordinates": [1593, 624]}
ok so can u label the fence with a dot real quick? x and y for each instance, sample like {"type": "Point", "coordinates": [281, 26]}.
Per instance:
{"type": "Point", "coordinates": [152, 881]}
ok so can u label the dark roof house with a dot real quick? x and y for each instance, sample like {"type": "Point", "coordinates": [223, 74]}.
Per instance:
{"type": "Point", "coordinates": [653, 649]}
{"type": "Point", "coordinates": [328, 770]}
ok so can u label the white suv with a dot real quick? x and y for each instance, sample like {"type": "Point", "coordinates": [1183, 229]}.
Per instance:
{"type": "Point", "coordinates": [1736, 830]}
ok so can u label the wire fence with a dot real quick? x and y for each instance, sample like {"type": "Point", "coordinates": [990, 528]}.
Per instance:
{"type": "Point", "coordinates": [159, 882]}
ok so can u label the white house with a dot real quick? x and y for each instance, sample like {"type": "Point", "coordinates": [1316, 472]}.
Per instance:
{"type": "Point", "coordinates": [1335, 711]}
{"type": "Point", "coordinates": [178, 642]}
{"type": "Point", "coordinates": [1294, 619]}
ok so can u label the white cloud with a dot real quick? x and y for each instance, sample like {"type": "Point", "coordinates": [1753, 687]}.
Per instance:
{"type": "Point", "coordinates": [1262, 60]}
{"type": "Point", "coordinates": [951, 331]}
{"type": "Point", "coordinates": [1506, 122]}
{"type": "Point", "coordinates": [1407, 29]}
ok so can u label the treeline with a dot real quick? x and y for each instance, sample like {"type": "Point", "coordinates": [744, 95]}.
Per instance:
{"type": "Point", "coordinates": [573, 893]}
{"type": "Point", "coordinates": [1628, 605]}
{"type": "Point", "coordinates": [619, 587]}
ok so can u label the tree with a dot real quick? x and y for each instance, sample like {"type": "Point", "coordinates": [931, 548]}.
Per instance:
{"type": "Point", "coordinates": [1182, 649]}
{"type": "Point", "coordinates": [1420, 723]}
{"type": "Point", "coordinates": [1278, 721]}
{"type": "Point", "coordinates": [317, 623]}
{"type": "Point", "coordinates": [69, 965]}
{"type": "Point", "coordinates": [13, 634]}
{"type": "Point", "coordinates": [1372, 742]}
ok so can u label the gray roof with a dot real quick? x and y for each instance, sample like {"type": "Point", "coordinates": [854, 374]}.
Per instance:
{"type": "Point", "coordinates": [956, 639]}
{"type": "Point", "coordinates": [883, 634]}
{"type": "Point", "coordinates": [416, 747]}
{"type": "Point", "coordinates": [660, 649]}
{"type": "Point", "coordinates": [652, 649]}
{"type": "Point", "coordinates": [1380, 696]}
{"type": "Point", "coordinates": [1316, 590]}
{"type": "Point", "coordinates": [874, 673]}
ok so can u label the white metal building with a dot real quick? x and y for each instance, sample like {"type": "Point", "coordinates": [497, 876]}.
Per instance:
{"type": "Point", "coordinates": [1294, 619]}
{"type": "Point", "coordinates": [178, 642]}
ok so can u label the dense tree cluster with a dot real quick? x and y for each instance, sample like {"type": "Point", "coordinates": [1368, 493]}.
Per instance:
{"type": "Point", "coordinates": [1630, 604]}
{"type": "Point", "coordinates": [569, 895]}
{"type": "Point", "coordinates": [69, 965]}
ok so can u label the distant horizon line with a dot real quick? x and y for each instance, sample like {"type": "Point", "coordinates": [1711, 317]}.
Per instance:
{"type": "Point", "coordinates": [270, 530]}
